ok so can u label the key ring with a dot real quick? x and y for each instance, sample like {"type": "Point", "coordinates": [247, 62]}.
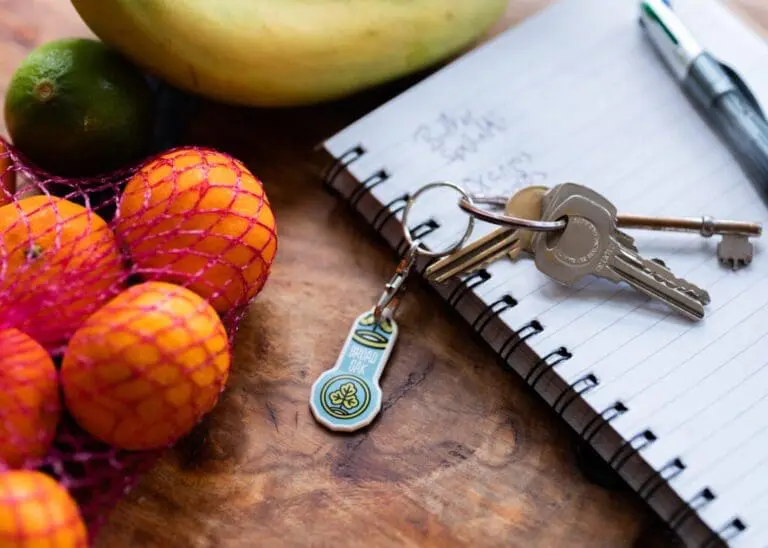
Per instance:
{"type": "Point", "coordinates": [467, 204]}
{"type": "Point", "coordinates": [407, 210]}
{"type": "Point", "coordinates": [493, 199]}
{"type": "Point", "coordinates": [390, 298]}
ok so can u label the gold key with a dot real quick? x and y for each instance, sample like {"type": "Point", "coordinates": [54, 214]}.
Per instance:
{"type": "Point", "coordinates": [504, 241]}
{"type": "Point", "coordinates": [525, 203]}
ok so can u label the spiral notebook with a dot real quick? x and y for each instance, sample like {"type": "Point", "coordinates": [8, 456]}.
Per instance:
{"type": "Point", "coordinates": [576, 93]}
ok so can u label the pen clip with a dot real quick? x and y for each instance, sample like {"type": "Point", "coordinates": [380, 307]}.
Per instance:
{"type": "Point", "coordinates": [742, 86]}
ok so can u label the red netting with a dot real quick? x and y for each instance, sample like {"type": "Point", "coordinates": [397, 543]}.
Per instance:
{"type": "Point", "coordinates": [134, 284]}
{"type": "Point", "coordinates": [25, 493]}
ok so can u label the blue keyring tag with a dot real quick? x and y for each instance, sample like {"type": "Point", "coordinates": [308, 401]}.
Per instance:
{"type": "Point", "coordinates": [348, 397]}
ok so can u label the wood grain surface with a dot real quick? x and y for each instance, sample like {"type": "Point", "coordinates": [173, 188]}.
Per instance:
{"type": "Point", "coordinates": [463, 453]}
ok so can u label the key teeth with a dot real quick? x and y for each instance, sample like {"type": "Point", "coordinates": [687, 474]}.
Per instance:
{"type": "Point", "coordinates": [735, 252]}
{"type": "Point", "coordinates": [677, 283]}
{"type": "Point", "coordinates": [704, 297]}
{"type": "Point", "coordinates": [736, 263]}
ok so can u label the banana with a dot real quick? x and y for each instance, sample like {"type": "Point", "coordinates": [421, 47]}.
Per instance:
{"type": "Point", "coordinates": [286, 52]}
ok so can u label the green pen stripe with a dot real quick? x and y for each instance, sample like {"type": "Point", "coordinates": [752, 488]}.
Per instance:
{"type": "Point", "coordinates": [652, 14]}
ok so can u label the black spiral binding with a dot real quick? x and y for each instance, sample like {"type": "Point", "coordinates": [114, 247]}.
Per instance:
{"type": "Point", "coordinates": [340, 164]}
{"type": "Point", "coordinates": [501, 304]}
{"type": "Point", "coordinates": [726, 533]}
{"type": "Point", "coordinates": [367, 185]}
{"type": "Point", "coordinates": [669, 471]}
{"type": "Point", "coordinates": [573, 392]}
{"type": "Point", "coordinates": [546, 363]}
{"type": "Point", "coordinates": [672, 469]}
{"type": "Point", "coordinates": [468, 284]}
{"type": "Point", "coordinates": [576, 389]}
{"type": "Point", "coordinates": [518, 337]}
{"type": "Point", "coordinates": [390, 210]}
{"type": "Point", "coordinates": [687, 510]}
{"type": "Point", "coordinates": [630, 447]}
{"type": "Point", "coordinates": [419, 231]}
{"type": "Point", "coordinates": [605, 417]}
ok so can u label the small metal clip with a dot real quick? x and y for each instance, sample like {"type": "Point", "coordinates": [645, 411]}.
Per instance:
{"type": "Point", "coordinates": [390, 298]}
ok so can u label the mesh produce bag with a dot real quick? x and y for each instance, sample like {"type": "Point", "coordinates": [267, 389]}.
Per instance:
{"type": "Point", "coordinates": [134, 284]}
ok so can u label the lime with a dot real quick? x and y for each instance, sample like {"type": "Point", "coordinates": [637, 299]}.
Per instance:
{"type": "Point", "coordinates": [76, 107]}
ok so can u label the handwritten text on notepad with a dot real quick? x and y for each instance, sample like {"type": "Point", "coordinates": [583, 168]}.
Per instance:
{"type": "Point", "coordinates": [511, 172]}
{"type": "Point", "coordinates": [459, 137]}
{"type": "Point", "coordinates": [456, 137]}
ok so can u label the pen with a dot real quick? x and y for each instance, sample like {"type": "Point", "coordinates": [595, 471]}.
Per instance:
{"type": "Point", "coordinates": [720, 95]}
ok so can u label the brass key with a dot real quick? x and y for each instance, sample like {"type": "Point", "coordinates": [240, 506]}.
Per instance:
{"type": "Point", "coordinates": [504, 241]}
{"type": "Point", "coordinates": [734, 250]}
{"type": "Point", "coordinates": [525, 203]}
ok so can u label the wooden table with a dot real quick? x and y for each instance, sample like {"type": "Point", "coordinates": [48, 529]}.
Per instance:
{"type": "Point", "coordinates": [463, 455]}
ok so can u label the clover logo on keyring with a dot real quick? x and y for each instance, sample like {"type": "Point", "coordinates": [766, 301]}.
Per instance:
{"type": "Point", "coordinates": [345, 396]}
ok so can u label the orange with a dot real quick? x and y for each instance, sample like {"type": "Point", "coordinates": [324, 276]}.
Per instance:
{"type": "Point", "coordinates": [36, 511]}
{"type": "Point", "coordinates": [29, 399]}
{"type": "Point", "coordinates": [59, 261]}
{"type": "Point", "coordinates": [7, 175]}
{"type": "Point", "coordinates": [142, 371]}
{"type": "Point", "coordinates": [199, 218]}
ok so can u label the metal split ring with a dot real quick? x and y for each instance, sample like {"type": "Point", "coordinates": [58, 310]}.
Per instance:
{"type": "Point", "coordinates": [495, 200]}
{"type": "Point", "coordinates": [467, 204]}
{"type": "Point", "coordinates": [409, 237]}
{"type": "Point", "coordinates": [390, 298]}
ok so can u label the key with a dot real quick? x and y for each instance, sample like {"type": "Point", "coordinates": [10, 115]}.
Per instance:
{"type": "Point", "coordinates": [472, 257]}
{"type": "Point", "coordinates": [552, 197]}
{"type": "Point", "coordinates": [525, 203]}
{"type": "Point", "coordinates": [655, 266]}
{"type": "Point", "coordinates": [588, 246]}
{"type": "Point", "coordinates": [734, 249]}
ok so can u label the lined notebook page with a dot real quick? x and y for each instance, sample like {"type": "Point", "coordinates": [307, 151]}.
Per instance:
{"type": "Point", "coordinates": [576, 93]}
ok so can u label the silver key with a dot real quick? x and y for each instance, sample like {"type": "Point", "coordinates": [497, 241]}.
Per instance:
{"type": "Point", "coordinates": [556, 193]}
{"type": "Point", "coordinates": [656, 267]}
{"type": "Point", "coordinates": [504, 241]}
{"type": "Point", "coordinates": [589, 246]}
